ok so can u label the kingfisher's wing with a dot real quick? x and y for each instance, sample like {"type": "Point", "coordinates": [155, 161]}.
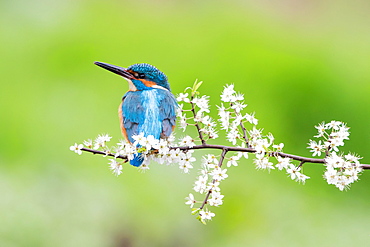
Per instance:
{"type": "Point", "coordinates": [131, 113]}
{"type": "Point", "coordinates": [167, 113]}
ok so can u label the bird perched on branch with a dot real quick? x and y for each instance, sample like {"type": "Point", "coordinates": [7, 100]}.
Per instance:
{"type": "Point", "coordinates": [149, 107]}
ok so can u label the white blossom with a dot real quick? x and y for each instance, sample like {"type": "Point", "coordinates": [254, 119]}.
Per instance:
{"type": "Point", "coordinates": [207, 121]}
{"type": "Point", "coordinates": [101, 141]}
{"type": "Point", "coordinates": [238, 107]}
{"type": "Point", "coordinates": [150, 142]}
{"type": "Point", "coordinates": [128, 150]}
{"type": "Point", "coordinates": [186, 160]}
{"type": "Point", "coordinates": [263, 162]}
{"type": "Point", "coordinates": [201, 184]}
{"type": "Point", "coordinates": [334, 160]}
{"type": "Point", "coordinates": [227, 94]}
{"type": "Point", "coordinates": [219, 174]}
{"type": "Point", "coordinates": [224, 117]}
{"type": "Point", "coordinates": [233, 161]}
{"type": "Point", "coordinates": [173, 156]}
{"type": "Point", "coordinates": [342, 171]}
{"type": "Point", "coordinates": [206, 215]}
{"type": "Point", "coordinates": [238, 119]}
{"type": "Point", "coordinates": [115, 166]}
{"type": "Point", "coordinates": [251, 119]}
{"type": "Point", "coordinates": [187, 141]}
{"type": "Point", "coordinates": [331, 175]}
{"type": "Point", "coordinates": [185, 166]}
{"type": "Point", "coordinates": [210, 161]}
{"type": "Point", "coordinates": [139, 139]}
{"type": "Point", "coordinates": [190, 200]}
{"type": "Point", "coordinates": [279, 147]}
{"type": "Point", "coordinates": [202, 103]}
{"type": "Point", "coordinates": [293, 171]}
{"type": "Point", "coordinates": [353, 158]}
{"type": "Point", "coordinates": [321, 130]}
{"type": "Point", "coordinates": [239, 97]}
{"type": "Point", "coordinates": [212, 133]}
{"type": "Point", "coordinates": [214, 186]}
{"type": "Point", "coordinates": [255, 133]}
{"type": "Point", "coordinates": [182, 120]}
{"type": "Point", "coordinates": [183, 97]}
{"type": "Point", "coordinates": [88, 143]}
{"type": "Point", "coordinates": [283, 163]}
{"type": "Point", "coordinates": [316, 148]}
{"type": "Point", "coordinates": [76, 148]}
{"type": "Point", "coordinates": [233, 135]}
{"type": "Point", "coordinates": [333, 125]}
{"type": "Point", "coordinates": [145, 165]}
{"type": "Point", "coordinates": [216, 199]}
{"type": "Point", "coordinates": [301, 177]}
{"type": "Point", "coordinates": [163, 147]}
{"type": "Point", "coordinates": [242, 154]}
{"type": "Point", "coordinates": [260, 145]}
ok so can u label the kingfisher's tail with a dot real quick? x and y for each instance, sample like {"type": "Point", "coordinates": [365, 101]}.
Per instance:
{"type": "Point", "coordinates": [137, 160]}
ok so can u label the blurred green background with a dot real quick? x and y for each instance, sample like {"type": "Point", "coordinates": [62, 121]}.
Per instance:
{"type": "Point", "coordinates": [297, 62]}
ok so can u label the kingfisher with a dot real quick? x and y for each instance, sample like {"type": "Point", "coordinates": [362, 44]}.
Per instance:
{"type": "Point", "coordinates": [148, 107]}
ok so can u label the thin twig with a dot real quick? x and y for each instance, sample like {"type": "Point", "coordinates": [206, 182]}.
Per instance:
{"type": "Point", "coordinates": [236, 149]}
{"type": "Point", "coordinates": [196, 123]}
{"type": "Point", "coordinates": [301, 164]}
{"type": "Point", "coordinates": [224, 151]}
{"type": "Point", "coordinates": [124, 157]}
{"type": "Point", "coordinates": [244, 133]}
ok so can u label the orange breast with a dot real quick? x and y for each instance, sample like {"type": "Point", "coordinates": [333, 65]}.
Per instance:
{"type": "Point", "coordinates": [123, 129]}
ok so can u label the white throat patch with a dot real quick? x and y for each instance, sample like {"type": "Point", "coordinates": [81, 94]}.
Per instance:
{"type": "Point", "coordinates": [159, 87]}
{"type": "Point", "coordinates": [131, 86]}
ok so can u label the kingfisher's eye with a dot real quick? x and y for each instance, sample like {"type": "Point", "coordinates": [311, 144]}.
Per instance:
{"type": "Point", "coordinates": [138, 75]}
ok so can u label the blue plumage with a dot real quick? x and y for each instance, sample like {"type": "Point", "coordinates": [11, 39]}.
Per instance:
{"type": "Point", "coordinates": [151, 73]}
{"type": "Point", "coordinates": [150, 111]}
{"type": "Point", "coordinates": [148, 107]}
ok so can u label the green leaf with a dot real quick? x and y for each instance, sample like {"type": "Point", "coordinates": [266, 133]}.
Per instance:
{"type": "Point", "coordinates": [141, 150]}
{"type": "Point", "coordinates": [194, 211]}
{"type": "Point", "coordinates": [201, 220]}
{"type": "Point", "coordinates": [198, 85]}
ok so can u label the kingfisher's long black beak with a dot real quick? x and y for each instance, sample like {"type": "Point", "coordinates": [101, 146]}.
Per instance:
{"type": "Point", "coordinates": [115, 69]}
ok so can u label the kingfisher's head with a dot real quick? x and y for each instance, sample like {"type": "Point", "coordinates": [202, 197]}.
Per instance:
{"type": "Point", "coordinates": [141, 76]}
